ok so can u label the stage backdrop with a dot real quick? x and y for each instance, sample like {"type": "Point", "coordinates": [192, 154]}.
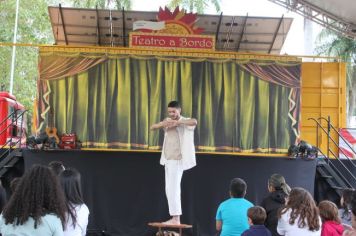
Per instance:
{"type": "Point", "coordinates": [111, 100]}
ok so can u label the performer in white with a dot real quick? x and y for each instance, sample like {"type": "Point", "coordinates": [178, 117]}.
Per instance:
{"type": "Point", "coordinates": [178, 154]}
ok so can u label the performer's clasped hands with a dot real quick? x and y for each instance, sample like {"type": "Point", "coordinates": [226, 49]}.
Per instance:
{"type": "Point", "coordinates": [169, 123]}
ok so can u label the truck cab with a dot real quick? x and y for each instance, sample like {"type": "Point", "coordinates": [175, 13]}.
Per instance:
{"type": "Point", "coordinates": [13, 123]}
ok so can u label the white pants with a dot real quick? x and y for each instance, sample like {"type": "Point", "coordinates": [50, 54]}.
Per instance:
{"type": "Point", "coordinates": [173, 174]}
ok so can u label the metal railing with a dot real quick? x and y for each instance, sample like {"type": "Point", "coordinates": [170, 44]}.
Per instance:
{"type": "Point", "coordinates": [326, 156]}
{"type": "Point", "coordinates": [9, 146]}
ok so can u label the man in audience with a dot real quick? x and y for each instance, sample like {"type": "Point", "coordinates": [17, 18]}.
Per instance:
{"type": "Point", "coordinates": [231, 216]}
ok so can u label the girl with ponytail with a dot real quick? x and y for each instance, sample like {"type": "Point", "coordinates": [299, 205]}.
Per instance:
{"type": "Point", "coordinates": [278, 192]}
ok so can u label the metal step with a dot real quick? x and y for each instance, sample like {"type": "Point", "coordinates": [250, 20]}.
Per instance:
{"type": "Point", "coordinates": [331, 177]}
{"type": "Point", "coordinates": [323, 173]}
{"type": "Point", "coordinates": [338, 188]}
{"type": "Point", "coordinates": [10, 161]}
{"type": "Point", "coordinates": [327, 176]}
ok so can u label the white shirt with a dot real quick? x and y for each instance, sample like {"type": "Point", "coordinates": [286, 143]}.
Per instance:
{"type": "Point", "coordinates": [82, 213]}
{"type": "Point", "coordinates": [286, 229]}
{"type": "Point", "coordinates": [186, 142]}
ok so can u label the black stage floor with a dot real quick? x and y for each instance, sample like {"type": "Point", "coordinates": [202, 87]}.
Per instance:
{"type": "Point", "coordinates": [125, 190]}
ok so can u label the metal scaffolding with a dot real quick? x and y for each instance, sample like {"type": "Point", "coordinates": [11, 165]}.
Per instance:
{"type": "Point", "coordinates": [319, 16]}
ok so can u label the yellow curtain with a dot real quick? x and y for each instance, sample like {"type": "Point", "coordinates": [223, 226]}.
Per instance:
{"type": "Point", "coordinates": [113, 104]}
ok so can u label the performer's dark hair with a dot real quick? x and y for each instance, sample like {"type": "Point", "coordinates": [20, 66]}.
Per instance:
{"type": "Point", "coordinates": [174, 104]}
{"type": "Point", "coordinates": [238, 188]}
{"type": "Point", "coordinates": [38, 193]}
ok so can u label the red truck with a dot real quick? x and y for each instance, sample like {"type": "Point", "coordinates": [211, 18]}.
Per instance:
{"type": "Point", "coordinates": [13, 122]}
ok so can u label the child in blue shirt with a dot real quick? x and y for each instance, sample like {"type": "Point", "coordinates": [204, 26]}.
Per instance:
{"type": "Point", "coordinates": [231, 216]}
{"type": "Point", "coordinates": [256, 218]}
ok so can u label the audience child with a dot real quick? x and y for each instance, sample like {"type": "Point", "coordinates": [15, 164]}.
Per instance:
{"type": "Point", "coordinates": [331, 221]}
{"type": "Point", "coordinates": [36, 207]}
{"type": "Point", "coordinates": [351, 231]}
{"type": "Point", "coordinates": [256, 219]}
{"type": "Point", "coordinates": [57, 167]}
{"type": "Point", "coordinates": [231, 216]}
{"type": "Point", "coordinates": [300, 216]}
{"type": "Point", "coordinates": [278, 191]}
{"type": "Point", "coordinates": [345, 203]}
{"type": "Point", "coordinates": [77, 212]}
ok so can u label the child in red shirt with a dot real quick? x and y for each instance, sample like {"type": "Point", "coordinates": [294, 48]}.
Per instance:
{"type": "Point", "coordinates": [331, 222]}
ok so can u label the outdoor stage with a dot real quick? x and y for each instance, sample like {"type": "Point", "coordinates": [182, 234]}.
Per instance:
{"type": "Point", "coordinates": [125, 190]}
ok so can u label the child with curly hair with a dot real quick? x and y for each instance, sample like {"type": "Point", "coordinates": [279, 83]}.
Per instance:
{"type": "Point", "coordinates": [300, 216]}
{"type": "Point", "coordinates": [37, 206]}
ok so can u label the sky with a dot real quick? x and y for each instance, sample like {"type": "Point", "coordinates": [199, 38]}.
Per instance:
{"type": "Point", "coordinates": [294, 44]}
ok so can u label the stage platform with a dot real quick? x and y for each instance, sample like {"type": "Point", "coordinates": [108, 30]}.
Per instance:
{"type": "Point", "coordinates": [125, 190]}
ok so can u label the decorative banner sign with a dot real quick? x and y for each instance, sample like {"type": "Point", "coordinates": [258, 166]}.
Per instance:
{"type": "Point", "coordinates": [173, 30]}
{"type": "Point", "coordinates": [154, 40]}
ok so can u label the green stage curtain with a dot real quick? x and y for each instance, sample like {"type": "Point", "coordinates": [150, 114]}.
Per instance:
{"type": "Point", "coordinates": [114, 103]}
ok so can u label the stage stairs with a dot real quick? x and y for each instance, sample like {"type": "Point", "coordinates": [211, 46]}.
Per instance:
{"type": "Point", "coordinates": [10, 151]}
{"type": "Point", "coordinates": [337, 174]}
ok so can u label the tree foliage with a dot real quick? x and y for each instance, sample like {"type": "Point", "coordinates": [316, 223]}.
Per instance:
{"type": "Point", "coordinates": [332, 44]}
{"type": "Point", "coordinates": [103, 4]}
{"type": "Point", "coordinates": [33, 27]}
{"type": "Point", "coordinates": [198, 6]}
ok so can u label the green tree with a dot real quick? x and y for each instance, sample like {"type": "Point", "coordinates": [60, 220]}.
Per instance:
{"type": "Point", "coordinates": [33, 27]}
{"type": "Point", "coordinates": [103, 4]}
{"type": "Point", "coordinates": [332, 44]}
{"type": "Point", "coordinates": [198, 6]}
